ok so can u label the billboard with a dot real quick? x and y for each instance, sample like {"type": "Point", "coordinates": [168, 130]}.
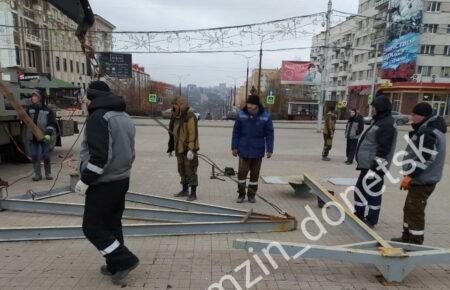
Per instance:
{"type": "Point", "coordinates": [300, 73]}
{"type": "Point", "coordinates": [402, 39]}
{"type": "Point", "coordinates": [116, 65]}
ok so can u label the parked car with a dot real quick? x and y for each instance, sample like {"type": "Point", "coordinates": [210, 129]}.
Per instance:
{"type": "Point", "coordinates": [208, 116]}
{"type": "Point", "coordinates": [199, 117]}
{"type": "Point", "coordinates": [400, 119]}
{"type": "Point", "coordinates": [167, 114]}
{"type": "Point", "coordinates": [231, 115]}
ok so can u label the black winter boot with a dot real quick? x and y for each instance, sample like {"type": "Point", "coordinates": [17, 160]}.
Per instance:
{"type": "Point", "coordinates": [48, 170]}
{"type": "Point", "coordinates": [119, 264]}
{"type": "Point", "coordinates": [193, 195]}
{"type": "Point", "coordinates": [37, 171]}
{"type": "Point", "coordinates": [183, 192]}
{"type": "Point", "coordinates": [404, 238]}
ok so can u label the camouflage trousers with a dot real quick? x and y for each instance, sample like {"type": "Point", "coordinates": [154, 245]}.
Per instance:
{"type": "Point", "coordinates": [328, 143]}
{"type": "Point", "coordinates": [188, 169]}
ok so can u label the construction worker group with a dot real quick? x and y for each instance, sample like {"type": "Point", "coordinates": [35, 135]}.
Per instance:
{"type": "Point", "coordinates": [107, 154]}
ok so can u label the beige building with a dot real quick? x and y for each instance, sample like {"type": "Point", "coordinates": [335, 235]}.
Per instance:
{"type": "Point", "coordinates": [41, 38]}
{"type": "Point", "coordinates": [351, 58]}
{"type": "Point", "coordinates": [267, 76]}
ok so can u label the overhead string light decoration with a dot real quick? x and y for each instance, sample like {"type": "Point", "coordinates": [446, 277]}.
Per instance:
{"type": "Point", "coordinates": [229, 37]}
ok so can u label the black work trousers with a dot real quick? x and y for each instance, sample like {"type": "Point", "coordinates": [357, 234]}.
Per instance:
{"type": "Point", "coordinates": [102, 223]}
{"type": "Point", "coordinates": [352, 144]}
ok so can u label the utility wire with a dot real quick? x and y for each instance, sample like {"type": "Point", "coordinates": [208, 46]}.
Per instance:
{"type": "Point", "coordinates": [175, 31]}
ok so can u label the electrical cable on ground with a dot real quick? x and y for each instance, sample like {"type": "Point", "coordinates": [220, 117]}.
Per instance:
{"type": "Point", "coordinates": [209, 161]}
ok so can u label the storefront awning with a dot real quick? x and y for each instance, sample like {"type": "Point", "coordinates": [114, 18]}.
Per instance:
{"type": "Point", "coordinates": [44, 83]}
{"type": "Point", "coordinates": [60, 84]}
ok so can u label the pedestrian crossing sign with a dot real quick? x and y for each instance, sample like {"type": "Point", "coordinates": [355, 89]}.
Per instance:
{"type": "Point", "coordinates": [270, 100]}
{"type": "Point", "coordinates": [152, 98]}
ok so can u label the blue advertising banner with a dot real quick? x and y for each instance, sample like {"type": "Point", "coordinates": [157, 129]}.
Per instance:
{"type": "Point", "coordinates": [402, 39]}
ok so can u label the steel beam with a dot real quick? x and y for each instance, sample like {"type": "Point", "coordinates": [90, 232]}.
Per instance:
{"type": "Point", "coordinates": [145, 230]}
{"type": "Point", "coordinates": [129, 213]}
{"type": "Point", "coordinates": [45, 194]}
{"type": "Point", "coordinates": [351, 220]}
{"type": "Point", "coordinates": [393, 268]}
{"type": "Point", "coordinates": [184, 205]}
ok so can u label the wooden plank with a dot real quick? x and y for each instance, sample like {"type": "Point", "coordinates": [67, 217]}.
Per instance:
{"type": "Point", "coordinates": [351, 215]}
{"type": "Point", "coordinates": [20, 111]}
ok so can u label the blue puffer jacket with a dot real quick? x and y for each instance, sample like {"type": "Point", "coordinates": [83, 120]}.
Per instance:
{"type": "Point", "coordinates": [253, 136]}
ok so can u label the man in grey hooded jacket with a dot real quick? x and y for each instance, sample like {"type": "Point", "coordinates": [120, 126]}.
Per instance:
{"type": "Point", "coordinates": [107, 154]}
{"type": "Point", "coordinates": [423, 164]}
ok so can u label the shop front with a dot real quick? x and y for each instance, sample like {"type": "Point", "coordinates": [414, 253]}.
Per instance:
{"type": "Point", "coordinates": [405, 96]}
{"type": "Point", "coordinates": [303, 110]}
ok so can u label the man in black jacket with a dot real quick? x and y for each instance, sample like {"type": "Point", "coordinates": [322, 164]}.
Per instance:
{"type": "Point", "coordinates": [422, 169]}
{"type": "Point", "coordinates": [353, 130]}
{"type": "Point", "coordinates": [45, 119]}
{"type": "Point", "coordinates": [106, 155]}
{"type": "Point", "coordinates": [374, 155]}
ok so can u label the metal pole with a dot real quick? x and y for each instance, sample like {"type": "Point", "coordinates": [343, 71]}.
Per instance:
{"type": "Point", "coordinates": [374, 75]}
{"type": "Point", "coordinates": [260, 67]}
{"type": "Point", "coordinates": [246, 80]}
{"type": "Point", "coordinates": [325, 63]}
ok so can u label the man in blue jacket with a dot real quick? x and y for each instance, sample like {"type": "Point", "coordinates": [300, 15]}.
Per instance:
{"type": "Point", "coordinates": [253, 137]}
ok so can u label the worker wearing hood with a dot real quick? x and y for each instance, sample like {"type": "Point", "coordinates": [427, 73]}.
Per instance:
{"type": "Point", "coordinates": [184, 142]}
{"type": "Point", "coordinates": [374, 155]}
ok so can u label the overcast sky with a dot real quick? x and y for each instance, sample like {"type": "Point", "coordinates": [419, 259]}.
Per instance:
{"type": "Point", "coordinates": [209, 70]}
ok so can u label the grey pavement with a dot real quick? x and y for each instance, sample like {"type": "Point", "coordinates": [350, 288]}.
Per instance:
{"type": "Point", "coordinates": [196, 261]}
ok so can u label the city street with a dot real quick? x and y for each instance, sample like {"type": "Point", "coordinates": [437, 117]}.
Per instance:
{"type": "Point", "coordinates": [196, 261]}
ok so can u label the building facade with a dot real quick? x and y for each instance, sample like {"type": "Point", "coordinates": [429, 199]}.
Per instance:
{"type": "Point", "coordinates": [38, 37]}
{"type": "Point", "coordinates": [355, 56]}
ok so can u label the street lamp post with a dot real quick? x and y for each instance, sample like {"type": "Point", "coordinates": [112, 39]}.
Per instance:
{"type": "Point", "coordinates": [248, 70]}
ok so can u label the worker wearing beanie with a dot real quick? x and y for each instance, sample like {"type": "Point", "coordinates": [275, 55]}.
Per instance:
{"type": "Point", "coordinates": [253, 137]}
{"type": "Point", "coordinates": [106, 156]}
{"type": "Point", "coordinates": [45, 119]}
{"type": "Point", "coordinates": [422, 168]}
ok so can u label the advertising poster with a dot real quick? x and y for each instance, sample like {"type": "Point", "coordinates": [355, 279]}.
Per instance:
{"type": "Point", "coordinates": [300, 73]}
{"type": "Point", "coordinates": [402, 39]}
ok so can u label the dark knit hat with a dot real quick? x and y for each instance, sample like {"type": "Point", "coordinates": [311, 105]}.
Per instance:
{"type": "Point", "coordinates": [254, 100]}
{"type": "Point", "coordinates": [99, 86]}
{"type": "Point", "coordinates": [37, 93]}
{"type": "Point", "coordinates": [423, 109]}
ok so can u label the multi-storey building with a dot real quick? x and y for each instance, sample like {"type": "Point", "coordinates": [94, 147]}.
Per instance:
{"type": "Point", "coordinates": [352, 54]}
{"type": "Point", "coordinates": [37, 37]}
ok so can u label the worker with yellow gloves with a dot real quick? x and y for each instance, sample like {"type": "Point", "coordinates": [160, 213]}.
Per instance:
{"type": "Point", "coordinates": [422, 165]}
{"type": "Point", "coordinates": [45, 119]}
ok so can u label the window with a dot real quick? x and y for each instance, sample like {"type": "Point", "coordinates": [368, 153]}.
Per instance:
{"type": "Point", "coordinates": [82, 69]}
{"type": "Point", "coordinates": [425, 71]}
{"type": "Point", "coordinates": [430, 28]}
{"type": "Point", "coordinates": [361, 75]}
{"type": "Point", "coordinates": [31, 53]}
{"type": "Point", "coordinates": [445, 71]}
{"type": "Point", "coordinates": [447, 50]}
{"type": "Point", "coordinates": [78, 67]}
{"type": "Point", "coordinates": [396, 102]}
{"type": "Point", "coordinates": [47, 59]}
{"type": "Point", "coordinates": [427, 49]}
{"type": "Point", "coordinates": [71, 66]}
{"type": "Point", "coordinates": [58, 64]}
{"type": "Point", "coordinates": [448, 28]}
{"type": "Point", "coordinates": [434, 6]}
{"type": "Point", "coordinates": [65, 64]}
{"type": "Point", "coordinates": [18, 55]}
{"type": "Point", "coordinates": [15, 21]}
